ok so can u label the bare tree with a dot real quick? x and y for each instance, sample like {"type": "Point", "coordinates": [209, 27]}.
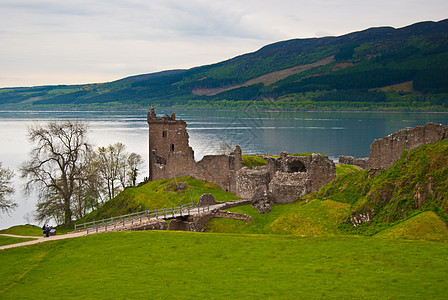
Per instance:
{"type": "Point", "coordinates": [116, 169]}
{"type": "Point", "coordinates": [135, 162]}
{"type": "Point", "coordinates": [111, 165]}
{"type": "Point", "coordinates": [57, 164]}
{"type": "Point", "coordinates": [6, 205]}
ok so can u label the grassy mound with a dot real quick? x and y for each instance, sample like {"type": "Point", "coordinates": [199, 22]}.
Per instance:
{"type": "Point", "coordinates": [417, 182]}
{"type": "Point", "coordinates": [315, 218]}
{"type": "Point", "coordinates": [128, 265]}
{"type": "Point", "coordinates": [342, 169]}
{"type": "Point", "coordinates": [158, 194]}
{"type": "Point", "coordinates": [312, 219]}
{"type": "Point", "coordinates": [25, 230]}
{"type": "Point", "coordinates": [425, 226]}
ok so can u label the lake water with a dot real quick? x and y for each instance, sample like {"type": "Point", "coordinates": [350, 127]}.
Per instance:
{"type": "Point", "coordinates": [330, 133]}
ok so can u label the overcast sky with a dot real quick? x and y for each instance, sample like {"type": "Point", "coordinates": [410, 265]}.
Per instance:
{"type": "Point", "coordinates": [86, 41]}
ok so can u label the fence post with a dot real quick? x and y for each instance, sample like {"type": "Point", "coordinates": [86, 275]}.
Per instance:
{"type": "Point", "coordinates": [157, 213]}
{"type": "Point", "coordinates": [173, 212]}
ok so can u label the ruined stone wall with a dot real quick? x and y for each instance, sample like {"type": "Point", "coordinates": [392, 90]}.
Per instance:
{"type": "Point", "coordinates": [288, 187]}
{"type": "Point", "coordinates": [386, 151]}
{"type": "Point", "coordinates": [322, 170]}
{"type": "Point", "coordinates": [248, 181]}
{"type": "Point", "coordinates": [170, 155]}
{"type": "Point", "coordinates": [363, 163]}
{"type": "Point", "coordinates": [287, 177]}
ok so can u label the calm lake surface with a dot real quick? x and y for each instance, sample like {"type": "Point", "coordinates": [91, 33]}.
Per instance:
{"type": "Point", "coordinates": [330, 133]}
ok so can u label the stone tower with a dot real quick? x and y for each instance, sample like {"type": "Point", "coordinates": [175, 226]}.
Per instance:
{"type": "Point", "coordinates": [167, 137]}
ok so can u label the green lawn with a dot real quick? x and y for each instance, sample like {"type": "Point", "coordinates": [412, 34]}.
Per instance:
{"type": "Point", "coordinates": [188, 265]}
{"type": "Point", "coordinates": [7, 240]}
{"type": "Point", "coordinates": [25, 230]}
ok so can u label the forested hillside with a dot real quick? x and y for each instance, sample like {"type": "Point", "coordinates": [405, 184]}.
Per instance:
{"type": "Point", "coordinates": [375, 69]}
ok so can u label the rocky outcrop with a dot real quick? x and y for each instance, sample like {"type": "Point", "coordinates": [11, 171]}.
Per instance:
{"type": "Point", "coordinates": [206, 200]}
{"type": "Point", "coordinates": [262, 201]}
{"type": "Point", "coordinates": [386, 151]}
{"type": "Point", "coordinates": [359, 216]}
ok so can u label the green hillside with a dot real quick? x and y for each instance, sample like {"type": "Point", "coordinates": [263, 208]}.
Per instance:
{"type": "Point", "coordinates": [417, 182]}
{"type": "Point", "coordinates": [375, 69]}
{"type": "Point", "coordinates": [158, 194]}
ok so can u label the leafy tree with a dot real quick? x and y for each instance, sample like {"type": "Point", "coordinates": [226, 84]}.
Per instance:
{"type": "Point", "coordinates": [57, 167]}
{"type": "Point", "coordinates": [6, 190]}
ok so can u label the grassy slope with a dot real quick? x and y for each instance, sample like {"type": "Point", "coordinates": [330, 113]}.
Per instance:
{"type": "Point", "coordinates": [416, 183]}
{"type": "Point", "coordinates": [316, 218]}
{"type": "Point", "coordinates": [25, 230]}
{"type": "Point", "coordinates": [424, 226]}
{"type": "Point", "coordinates": [203, 265]}
{"type": "Point", "coordinates": [158, 194]}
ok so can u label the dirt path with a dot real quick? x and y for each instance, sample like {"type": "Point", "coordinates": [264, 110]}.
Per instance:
{"type": "Point", "coordinates": [41, 239]}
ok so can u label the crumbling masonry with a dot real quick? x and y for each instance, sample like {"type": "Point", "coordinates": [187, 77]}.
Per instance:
{"type": "Point", "coordinates": [285, 178]}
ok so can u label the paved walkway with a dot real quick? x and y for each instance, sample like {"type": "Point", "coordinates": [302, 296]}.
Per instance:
{"type": "Point", "coordinates": [36, 240]}
{"type": "Point", "coordinates": [41, 239]}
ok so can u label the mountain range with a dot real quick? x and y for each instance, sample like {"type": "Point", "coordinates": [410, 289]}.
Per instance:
{"type": "Point", "coordinates": [379, 68]}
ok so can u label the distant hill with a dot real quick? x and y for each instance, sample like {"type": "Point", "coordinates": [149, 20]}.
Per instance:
{"type": "Point", "coordinates": [378, 68]}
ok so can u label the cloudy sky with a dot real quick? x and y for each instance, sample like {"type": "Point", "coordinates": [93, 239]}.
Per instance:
{"type": "Point", "coordinates": [84, 41]}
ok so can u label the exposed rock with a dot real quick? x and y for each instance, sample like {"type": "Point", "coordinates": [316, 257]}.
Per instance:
{"type": "Point", "coordinates": [180, 186]}
{"type": "Point", "coordinates": [206, 200]}
{"type": "Point", "coordinates": [262, 201]}
{"type": "Point", "coordinates": [360, 216]}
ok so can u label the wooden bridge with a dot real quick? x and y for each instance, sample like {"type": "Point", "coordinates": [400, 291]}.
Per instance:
{"type": "Point", "coordinates": [143, 217]}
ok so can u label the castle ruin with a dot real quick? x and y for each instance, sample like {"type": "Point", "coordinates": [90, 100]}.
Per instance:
{"type": "Point", "coordinates": [386, 151]}
{"type": "Point", "coordinates": [285, 178]}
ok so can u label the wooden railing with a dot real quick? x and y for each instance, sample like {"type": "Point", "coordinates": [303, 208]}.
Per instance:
{"type": "Point", "coordinates": [167, 213]}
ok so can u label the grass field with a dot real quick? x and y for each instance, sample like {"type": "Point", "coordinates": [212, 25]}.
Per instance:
{"type": "Point", "coordinates": [7, 240]}
{"type": "Point", "coordinates": [191, 265]}
{"type": "Point", "coordinates": [25, 230]}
